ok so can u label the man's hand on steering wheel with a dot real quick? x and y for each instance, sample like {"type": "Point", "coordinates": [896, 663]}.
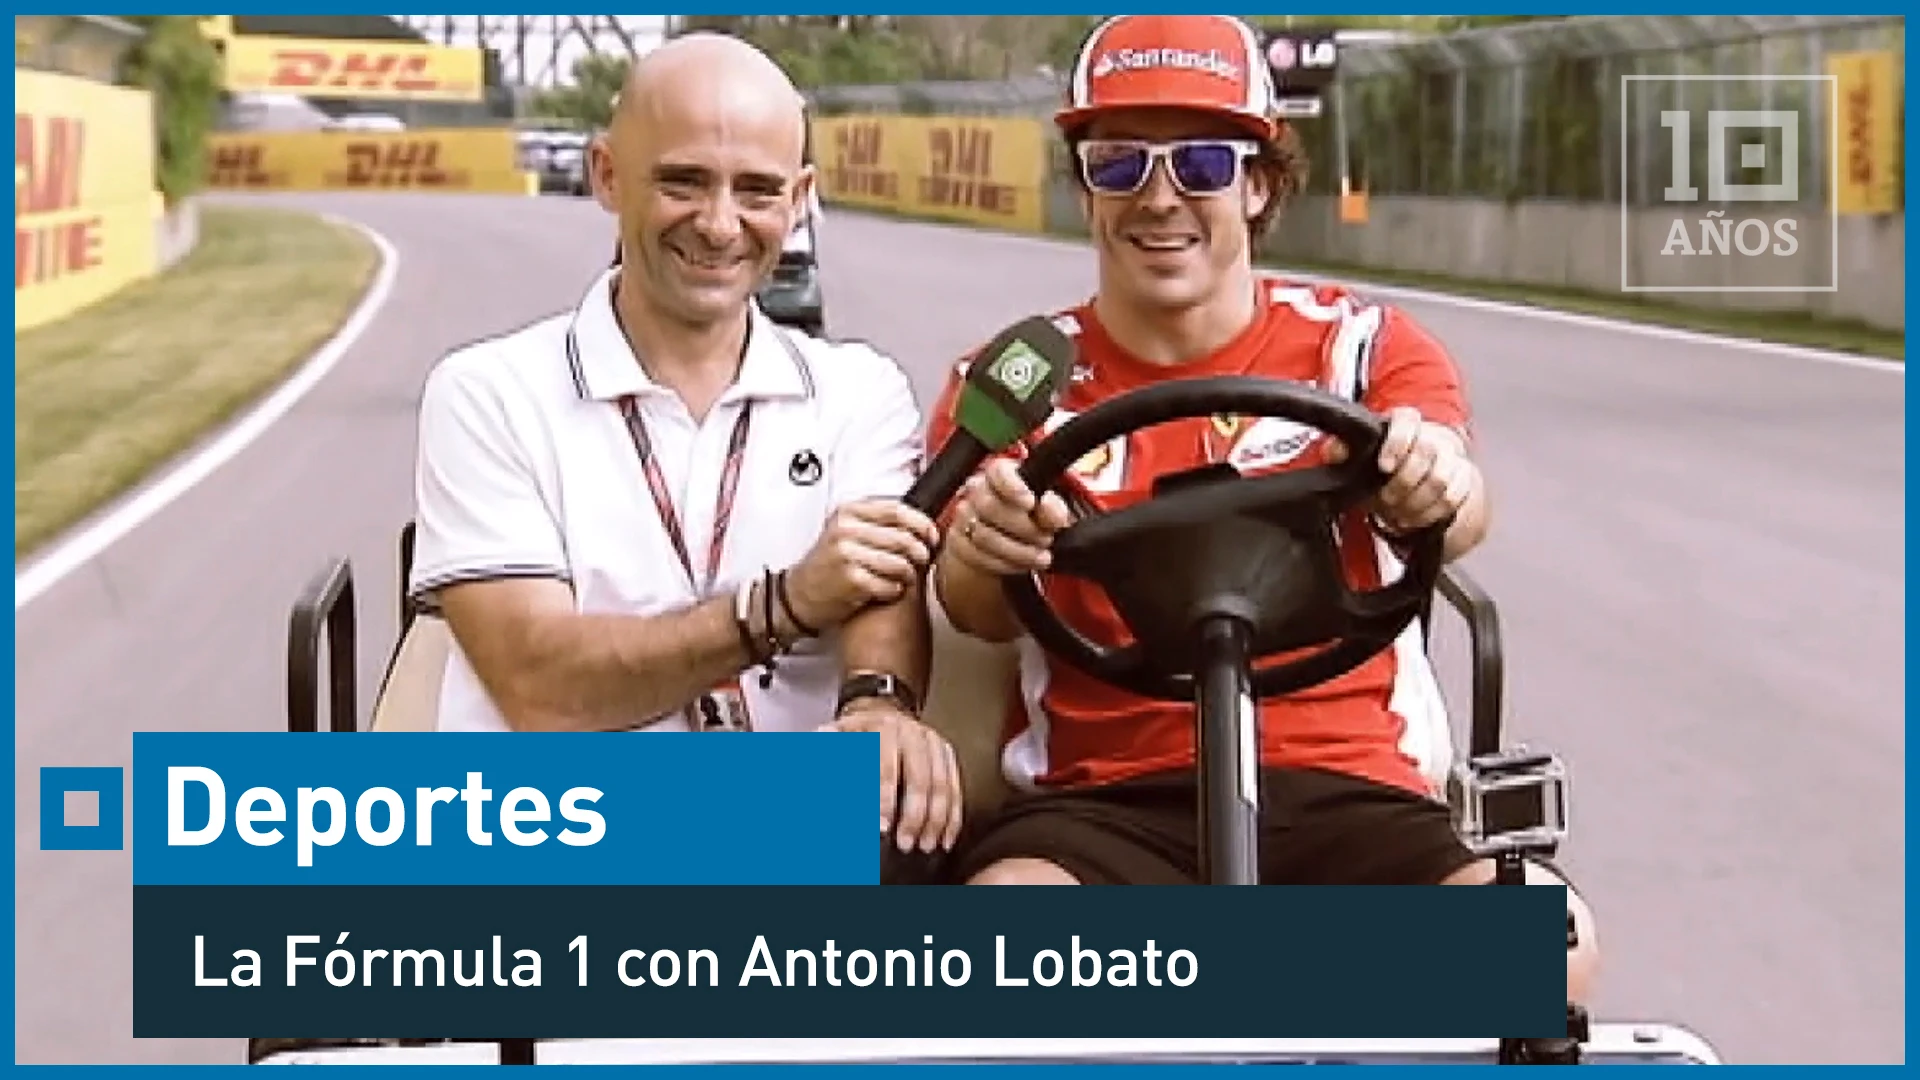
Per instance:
{"type": "Point", "coordinates": [1429, 474]}
{"type": "Point", "coordinates": [1000, 528]}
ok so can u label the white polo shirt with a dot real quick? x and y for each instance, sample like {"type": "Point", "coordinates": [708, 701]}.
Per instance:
{"type": "Point", "coordinates": [526, 469]}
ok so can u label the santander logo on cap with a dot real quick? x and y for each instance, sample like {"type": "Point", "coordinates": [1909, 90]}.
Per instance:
{"type": "Point", "coordinates": [1212, 62]}
{"type": "Point", "coordinates": [1207, 62]}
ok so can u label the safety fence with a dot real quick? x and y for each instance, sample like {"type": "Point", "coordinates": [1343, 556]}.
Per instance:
{"type": "Point", "coordinates": [87, 216]}
{"type": "Point", "coordinates": [1567, 109]}
{"type": "Point", "coordinates": [1590, 153]}
{"type": "Point", "coordinates": [1579, 109]}
{"type": "Point", "coordinates": [473, 160]}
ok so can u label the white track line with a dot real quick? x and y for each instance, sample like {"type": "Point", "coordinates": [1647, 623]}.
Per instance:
{"type": "Point", "coordinates": [79, 548]}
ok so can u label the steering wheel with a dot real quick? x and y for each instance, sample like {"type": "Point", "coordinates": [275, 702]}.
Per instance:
{"type": "Point", "coordinates": [1211, 544]}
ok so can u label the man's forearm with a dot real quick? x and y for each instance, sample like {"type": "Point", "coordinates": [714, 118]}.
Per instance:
{"type": "Point", "coordinates": [561, 671]}
{"type": "Point", "coordinates": [892, 638]}
{"type": "Point", "coordinates": [619, 671]}
{"type": "Point", "coordinates": [975, 602]}
{"type": "Point", "coordinates": [609, 672]}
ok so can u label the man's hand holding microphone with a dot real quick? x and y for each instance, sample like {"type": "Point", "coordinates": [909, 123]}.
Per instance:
{"type": "Point", "coordinates": [874, 552]}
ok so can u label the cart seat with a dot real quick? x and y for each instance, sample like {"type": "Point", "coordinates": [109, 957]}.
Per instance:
{"type": "Point", "coordinates": [410, 700]}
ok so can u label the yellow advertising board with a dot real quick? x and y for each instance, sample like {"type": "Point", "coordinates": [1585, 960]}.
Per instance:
{"type": "Point", "coordinates": [374, 68]}
{"type": "Point", "coordinates": [1867, 128]}
{"type": "Point", "coordinates": [84, 206]}
{"type": "Point", "coordinates": [860, 160]}
{"type": "Point", "coordinates": [984, 170]}
{"type": "Point", "coordinates": [451, 159]}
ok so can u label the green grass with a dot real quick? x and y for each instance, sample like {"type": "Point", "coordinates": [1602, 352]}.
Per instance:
{"type": "Point", "coordinates": [1822, 333]}
{"type": "Point", "coordinates": [108, 395]}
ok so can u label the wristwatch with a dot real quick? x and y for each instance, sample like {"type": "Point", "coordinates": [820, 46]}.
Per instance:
{"type": "Point", "coordinates": [872, 684]}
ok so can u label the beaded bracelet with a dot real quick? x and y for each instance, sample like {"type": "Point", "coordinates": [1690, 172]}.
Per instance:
{"type": "Point", "coordinates": [786, 605]}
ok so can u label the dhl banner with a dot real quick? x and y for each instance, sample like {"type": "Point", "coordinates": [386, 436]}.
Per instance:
{"type": "Point", "coordinates": [450, 159]}
{"type": "Point", "coordinates": [326, 68]}
{"type": "Point", "coordinates": [984, 170]}
{"type": "Point", "coordinates": [1868, 135]}
{"type": "Point", "coordinates": [84, 205]}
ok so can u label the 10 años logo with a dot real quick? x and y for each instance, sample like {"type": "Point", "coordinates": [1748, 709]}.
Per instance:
{"type": "Point", "coordinates": [1718, 234]}
{"type": "Point", "coordinates": [1720, 186]}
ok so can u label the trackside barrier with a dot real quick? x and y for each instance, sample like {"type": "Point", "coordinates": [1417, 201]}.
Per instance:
{"type": "Point", "coordinates": [85, 210]}
{"type": "Point", "coordinates": [982, 170]}
{"type": "Point", "coordinates": [483, 160]}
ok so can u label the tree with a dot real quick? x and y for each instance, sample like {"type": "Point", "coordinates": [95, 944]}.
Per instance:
{"type": "Point", "coordinates": [597, 79]}
{"type": "Point", "coordinates": [181, 70]}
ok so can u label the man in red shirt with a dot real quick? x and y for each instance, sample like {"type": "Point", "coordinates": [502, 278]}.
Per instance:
{"type": "Point", "coordinates": [1183, 168]}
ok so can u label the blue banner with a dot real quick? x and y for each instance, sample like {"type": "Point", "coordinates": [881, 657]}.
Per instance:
{"type": "Point", "coordinates": [432, 808]}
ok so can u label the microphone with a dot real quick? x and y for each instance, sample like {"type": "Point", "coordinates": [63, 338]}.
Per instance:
{"type": "Point", "coordinates": [1010, 390]}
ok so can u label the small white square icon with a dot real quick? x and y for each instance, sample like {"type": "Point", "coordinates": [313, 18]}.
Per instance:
{"type": "Point", "coordinates": [1753, 156]}
{"type": "Point", "coordinates": [81, 809]}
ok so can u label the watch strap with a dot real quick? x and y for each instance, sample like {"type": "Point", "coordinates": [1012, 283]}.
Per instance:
{"type": "Point", "coordinates": [878, 684]}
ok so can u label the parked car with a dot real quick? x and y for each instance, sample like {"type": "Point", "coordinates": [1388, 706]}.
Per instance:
{"type": "Point", "coordinates": [792, 293]}
{"type": "Point", "coordinates": [558, 157]}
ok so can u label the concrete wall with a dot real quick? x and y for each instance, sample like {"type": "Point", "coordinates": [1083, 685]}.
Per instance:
{"type": "Point", "coordinates": [175, 233]}
{"type": "Point", "coordinates": [1578, 246]}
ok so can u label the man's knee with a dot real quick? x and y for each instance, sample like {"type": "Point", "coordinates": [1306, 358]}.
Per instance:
{"type": "Point", "coordinates": [1583, 957]}
{"type": "Point", "coordinates": [1023, 872]}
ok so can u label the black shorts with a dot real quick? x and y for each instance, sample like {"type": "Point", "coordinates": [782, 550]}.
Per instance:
{"type": "Point", "coordinates": [1317, 828]}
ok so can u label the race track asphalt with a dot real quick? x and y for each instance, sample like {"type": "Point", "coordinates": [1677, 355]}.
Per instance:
{"type": "Point", "coordinates": [1698, 557]}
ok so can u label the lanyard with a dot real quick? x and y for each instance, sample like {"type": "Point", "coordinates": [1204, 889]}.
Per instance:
{"type": "Point", "coordinates": [663, 500]}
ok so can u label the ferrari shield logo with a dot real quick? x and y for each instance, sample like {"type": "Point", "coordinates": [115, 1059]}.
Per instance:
{"type": "Point", "coordinates": [1100, 470]}
{"type": "Point", "coordinates": [1093, 461]}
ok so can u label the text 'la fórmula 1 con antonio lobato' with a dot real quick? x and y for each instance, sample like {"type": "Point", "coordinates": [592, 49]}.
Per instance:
{"type": "Point", "coordinates": [1077, 965]}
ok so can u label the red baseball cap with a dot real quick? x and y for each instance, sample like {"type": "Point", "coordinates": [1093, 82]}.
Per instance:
{"type": "Point", "coordinates": [1211, 63]}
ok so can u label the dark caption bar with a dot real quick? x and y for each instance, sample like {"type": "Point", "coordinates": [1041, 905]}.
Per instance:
{"type": "Point", "coordinates": [847, 962]}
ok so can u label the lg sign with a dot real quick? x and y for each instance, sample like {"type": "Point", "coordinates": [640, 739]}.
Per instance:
{"type": "Point", "coordinates": [1286, 54]}
{"type": "Point", "coordinates": [1303, 66]}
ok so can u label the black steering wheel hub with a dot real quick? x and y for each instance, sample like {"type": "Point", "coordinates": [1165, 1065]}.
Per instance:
{"type": "Point", "coordinates": [1211, 544]}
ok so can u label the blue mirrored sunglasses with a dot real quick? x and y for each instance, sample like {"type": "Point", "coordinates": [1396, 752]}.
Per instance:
{"type": "Point", "coordinates": [1197, 166]}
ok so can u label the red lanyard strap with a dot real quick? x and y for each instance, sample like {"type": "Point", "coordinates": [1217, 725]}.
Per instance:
{"type": "Point", "coordinates": [663, 500]}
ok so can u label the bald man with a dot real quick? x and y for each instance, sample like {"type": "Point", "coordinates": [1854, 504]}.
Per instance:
{"type": "Point", "coordinates": [660, 511]}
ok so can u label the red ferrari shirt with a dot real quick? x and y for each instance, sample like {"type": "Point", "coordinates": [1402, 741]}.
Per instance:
{"type": "Point", "coordinates": [1382, 721]}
